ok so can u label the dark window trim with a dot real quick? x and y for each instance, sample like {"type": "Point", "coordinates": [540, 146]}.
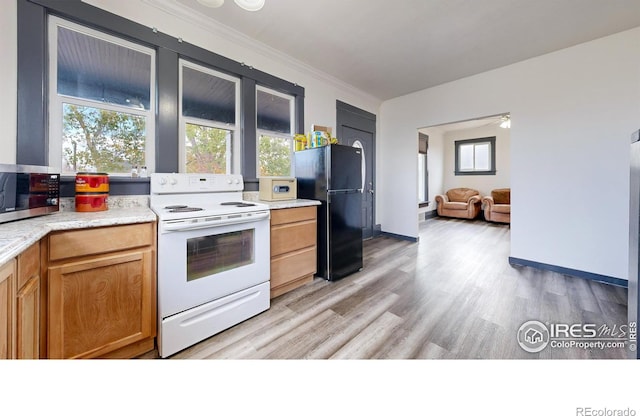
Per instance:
{"type": "Point", "coordinates": [118, 185]}
{"type": "Point", "coordinates": [492, 171]}
{"type": "Point", "coordinates": [32, 134]}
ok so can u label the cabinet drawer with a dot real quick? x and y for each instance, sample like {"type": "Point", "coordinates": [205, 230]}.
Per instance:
{"type": "Point", "coordinates": [290, 237]}
{"type": "Point", "coordinates": [287, 215]}
{"type": "Point", "coordinates": [293, 266]}
{"type": "Point", "coordinates": [90, 241]}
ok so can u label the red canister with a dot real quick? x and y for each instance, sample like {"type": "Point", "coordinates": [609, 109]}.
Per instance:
{"type": "Point", "coordinates": [92, 191]}
{"type": "Point", "coordinates": [92, 182]}
{"type": "Point", "coordinates": [91, 202]}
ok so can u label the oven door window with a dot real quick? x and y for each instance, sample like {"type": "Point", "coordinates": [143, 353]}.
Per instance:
{"type": "Point", "coordinates": [214, 254]}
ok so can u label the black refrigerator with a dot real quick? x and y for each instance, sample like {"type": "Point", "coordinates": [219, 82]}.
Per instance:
{"type": "Point", "coordinates": [633, 305]}
{"type": "Point", "coordinates": [333, 175]}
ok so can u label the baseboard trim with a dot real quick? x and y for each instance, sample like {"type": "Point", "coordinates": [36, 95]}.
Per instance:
{"type": "Point", "coordinates": [400, 237]}
{"type": "Point", "coordinates": [514, 261]}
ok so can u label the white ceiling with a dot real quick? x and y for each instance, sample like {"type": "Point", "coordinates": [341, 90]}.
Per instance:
{"type": "Point", "coordinates": [391, 48]}
{"type": "Point", "coordinates": [463, 125]}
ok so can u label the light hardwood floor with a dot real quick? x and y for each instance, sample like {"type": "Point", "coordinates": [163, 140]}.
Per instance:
{"type": "Point", "coordinates": [452, 295]}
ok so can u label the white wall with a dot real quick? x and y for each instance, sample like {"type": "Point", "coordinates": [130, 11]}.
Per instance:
{"type": "Point", "coordinates": [321, 91]}
{"type": "Point", "coordinates": [8, 81]}
{"type": "Point", "coordinates": [573, 112]}
{"type": "Point", "coordinates": [483, 183]}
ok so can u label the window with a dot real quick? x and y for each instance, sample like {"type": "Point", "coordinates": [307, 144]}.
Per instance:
{"type": "Point", "coordinates": [423, 173]}
{"type": "Point", "coordinates": [476, 156]}
{"type": "Point", "coordinates": [209, 109]}
{"type": "Point", "coordinates": [101, 103]}
{"type": "Point", "coordinates": [274, 116]}
{"type": "Point", "coordinates": [127, 78]}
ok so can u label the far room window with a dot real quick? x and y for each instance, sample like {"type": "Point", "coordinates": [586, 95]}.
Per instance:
{"type": "Point", "coordinates": [275, 117]}
{"type": "Point", "coordinates": [209, 108]}
{"type": "Point", "coordinates": [423, 172]}
{"type": "Point", "coordinates": [101, 103]}
{"type": "Point", "coordinates": [476, 156]}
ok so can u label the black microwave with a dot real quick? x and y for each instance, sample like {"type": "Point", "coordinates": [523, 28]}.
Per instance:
{"type": "Point", "coordinates": [27, 191]}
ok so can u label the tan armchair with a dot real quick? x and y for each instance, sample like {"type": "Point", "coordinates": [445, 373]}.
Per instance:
{"type": "Point", "coordinates": [497, 207]}
{"type": "Point", "coordinates": [459, 203]}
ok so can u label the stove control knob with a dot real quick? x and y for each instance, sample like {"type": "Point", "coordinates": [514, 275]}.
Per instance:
{"type": "Point", "coordinates": [229, 181]}
{"type": "Point", "coordinates": [174, 181]}
{"type": "Point", "coordinates": [163, 181]}
{"type": "Point", "coordinates": [237, 181]}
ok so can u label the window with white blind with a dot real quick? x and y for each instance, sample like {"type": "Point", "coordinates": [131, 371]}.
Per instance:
{"type": "Point", "coordinates": [101, 101]}
{"type": "Point", "coordinates": [275, 126]}
{"type": "Point", "coordinates": [209, 118]}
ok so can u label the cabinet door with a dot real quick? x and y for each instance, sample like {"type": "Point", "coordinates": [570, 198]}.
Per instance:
{"type": "Point", "coordinates": [28, 320]}
{"type": "Point", "coordinates": [27, 329]}
{"type": "Point", "coordinates": [101, 304]}
{"type": "Point", "coordinates": [7, 278]}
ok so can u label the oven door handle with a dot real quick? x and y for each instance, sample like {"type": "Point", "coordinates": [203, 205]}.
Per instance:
{"type": "Point", "coordinates": [226, 220]}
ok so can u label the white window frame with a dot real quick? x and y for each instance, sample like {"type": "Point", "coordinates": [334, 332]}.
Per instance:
{"type": "Point", "coordinates": [233, 153]}
{"type": "Point", "coordinates": [262, 132]}
{"type": "Point", "coordinates": [56, 101]}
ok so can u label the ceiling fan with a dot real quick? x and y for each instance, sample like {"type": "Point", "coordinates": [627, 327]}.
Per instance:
{"type": "Point", "coordinates": [250, 5]}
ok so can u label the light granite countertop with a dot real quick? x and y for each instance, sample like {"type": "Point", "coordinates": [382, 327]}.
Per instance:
{"type": "Point", "coordinates": [291, 203]}
{"type": "Point", "coordinates": [294, 203]}
{"type": "Point", "coordinates": [17, 236]}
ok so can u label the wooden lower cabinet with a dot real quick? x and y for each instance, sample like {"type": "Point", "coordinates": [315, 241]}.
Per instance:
{"type": "Point", "coordinates": [7, 279]}
{"type": "Point", "coordinates": [102, 303]}
{"type": "Point", "coordinates": [27, 330]}
{"type": "Point", "coordinates": [20, 306]}
{"type": "Point", "coordinates": [293, 248]}
{"type": "Point", "coordinates": [28, 320]}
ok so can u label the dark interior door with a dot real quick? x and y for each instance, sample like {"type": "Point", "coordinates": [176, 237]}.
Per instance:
{"type": "Point", "coordinates": [357, 127]}
{"type": "Point", "coordinates": [364, 140]}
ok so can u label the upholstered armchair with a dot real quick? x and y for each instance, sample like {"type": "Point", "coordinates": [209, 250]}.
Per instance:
{"type": "Point", "coordinates": [459, 203]}
{"type": "Point", "coordinates": [497, 207]}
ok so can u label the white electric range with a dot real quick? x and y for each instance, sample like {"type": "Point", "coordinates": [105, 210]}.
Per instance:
{"type": "Point", "coordinates": [213, 256]}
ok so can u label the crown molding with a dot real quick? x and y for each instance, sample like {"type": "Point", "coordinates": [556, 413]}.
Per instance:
{"type": "Point", "coordinates": [192, 17]}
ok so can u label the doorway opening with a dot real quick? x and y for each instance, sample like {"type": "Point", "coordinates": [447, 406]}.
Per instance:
{"type": "Point", "coordinates": [471, 154]}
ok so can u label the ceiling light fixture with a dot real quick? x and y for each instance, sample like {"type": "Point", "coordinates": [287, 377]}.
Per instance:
{"type": "Point", "coordinates": [250, 5]}
{"type": "Point", "coordinates": [211, 3]}
{"type": "Point", "coordinates": [505, 122]}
